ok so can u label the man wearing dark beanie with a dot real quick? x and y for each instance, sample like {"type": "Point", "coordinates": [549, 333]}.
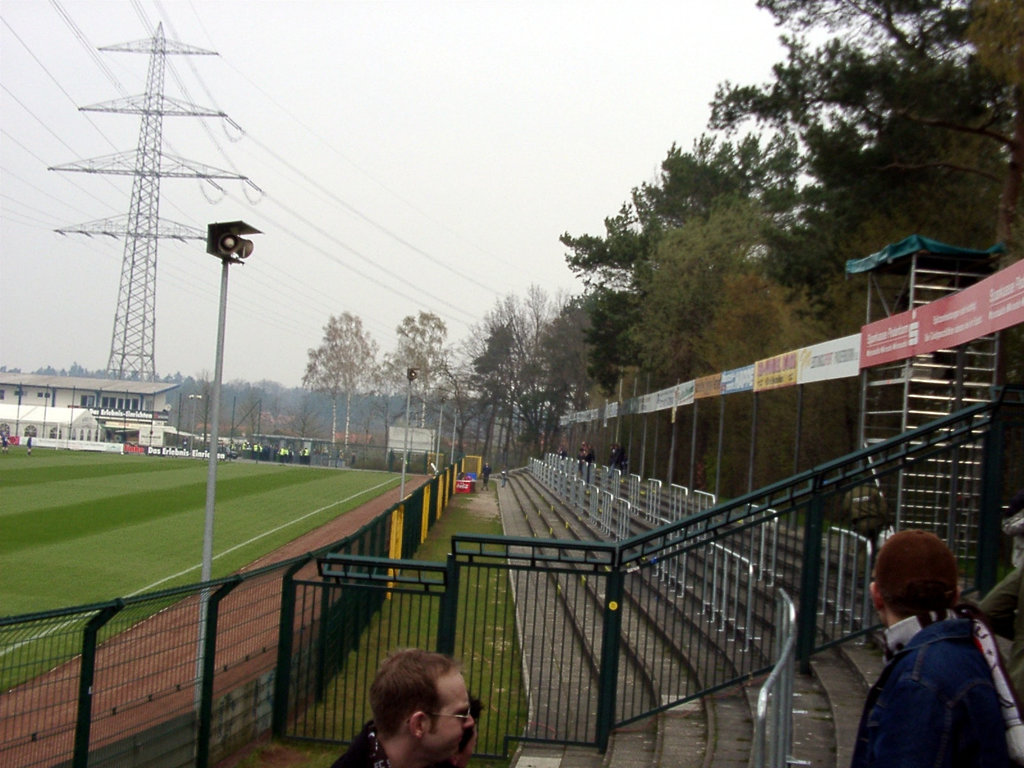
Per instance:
{"type": "Point", "coordinates": [938, 702]}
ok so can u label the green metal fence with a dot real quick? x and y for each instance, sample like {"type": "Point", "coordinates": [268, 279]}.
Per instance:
{"type": "Point", "coordinates": [607, 633]}
{"type": "Point", "coordinates": [120, 684]}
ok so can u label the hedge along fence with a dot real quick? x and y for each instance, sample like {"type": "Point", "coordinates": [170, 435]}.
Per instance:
{"type": "Point", "coordinates": [123, 682]}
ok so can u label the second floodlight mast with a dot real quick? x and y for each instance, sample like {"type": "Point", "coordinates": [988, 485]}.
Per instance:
{"type": "Point", "coordinates": [410, 374]}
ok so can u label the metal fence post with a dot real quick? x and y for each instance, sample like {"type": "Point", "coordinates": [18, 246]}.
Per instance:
{"type": "Point", "coordinates": [993, 456]}
{"type": "Point", "coordinates": [285, 643]}
{"type": "Point", "coordinates": [810, 576]}
{"type": "Point", "coordinates": [609, 674]}
{"type": "Point", "coordinates": [209, 669]}
{"type": "Point", "coordinates": [448, 610]}
{"type": "Point", "coordinates": [87, 671]}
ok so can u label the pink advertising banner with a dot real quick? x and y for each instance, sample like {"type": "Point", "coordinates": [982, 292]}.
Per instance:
{"type": "Point", "coordinates": [997, 302]}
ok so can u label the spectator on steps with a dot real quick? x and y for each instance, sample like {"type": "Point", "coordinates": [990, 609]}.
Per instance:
{"type": "Point", "coordinates": [943, 698]}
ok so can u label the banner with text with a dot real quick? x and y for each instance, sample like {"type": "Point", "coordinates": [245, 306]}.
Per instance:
{"type": "Point", "coordinates": [995, 303]}
{"type": "Point", "coordinates": [835, 359]}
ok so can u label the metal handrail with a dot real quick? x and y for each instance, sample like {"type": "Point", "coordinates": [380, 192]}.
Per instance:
{"type": "Point", "coordinates": [773, 723]}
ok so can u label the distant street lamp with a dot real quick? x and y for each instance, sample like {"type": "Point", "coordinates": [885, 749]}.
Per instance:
{"type": "Point", "coordinates": [193, 398]}
{"type": "Point", "coordinates": [410, 376]}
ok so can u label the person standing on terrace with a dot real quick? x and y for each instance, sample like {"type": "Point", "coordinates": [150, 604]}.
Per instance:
{"type": "Point", "coordinates": [943, 698]}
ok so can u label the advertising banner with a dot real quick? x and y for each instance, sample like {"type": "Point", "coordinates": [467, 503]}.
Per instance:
{"type": "Point", "coordinates": [738, 380]}
{"type": "Point", "coordinates": [835, 359]}
{"type": "Point", "coordinates": [708, 386]}
{"type": "Point", "coordinates": [995, 303]}
{"type": "Point", "coordinates": [665, 398]}
{"type": "Point", "coordinates": [685, 392]}
{"type": "Point", "coordinates": [775, 372]}
{"type": "Point", "coordinates": [416, 439]}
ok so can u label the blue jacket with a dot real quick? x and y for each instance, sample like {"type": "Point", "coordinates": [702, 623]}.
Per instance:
{"type": "Point", "coordinates": [934, 705]}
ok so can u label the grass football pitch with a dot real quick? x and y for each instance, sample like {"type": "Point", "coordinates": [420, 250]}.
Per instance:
{"type": "Point", "coordinates": [79, 528]}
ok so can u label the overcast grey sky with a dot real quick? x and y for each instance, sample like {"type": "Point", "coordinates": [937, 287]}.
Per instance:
{"type": "Point", "coordinates": [413, 156]}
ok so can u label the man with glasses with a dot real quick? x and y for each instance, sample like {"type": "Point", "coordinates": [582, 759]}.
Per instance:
{"type": "Point", "coordinates": [420, 712]}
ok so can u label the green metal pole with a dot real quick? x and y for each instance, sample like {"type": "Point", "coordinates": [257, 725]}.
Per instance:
{"type": "Point", "coordinates": [994, 454]}
{"type": "Point", "coordinates": [608, 678]}
{"type": "Point", "coordinates": [449, 608]}
{"type": "Point", "coordinates": [285, 643]}
{"type": "Point", "coordinates": [80, 757]}
{"type": "Point", "coordinates": [810, 578]}
{"type": "Point", "coordinates": [209, 670]}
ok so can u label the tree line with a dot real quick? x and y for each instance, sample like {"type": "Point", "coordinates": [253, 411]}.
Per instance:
{"type": "Point", "coordinates": [885, 119]}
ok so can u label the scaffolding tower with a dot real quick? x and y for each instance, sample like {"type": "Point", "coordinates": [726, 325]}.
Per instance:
{"type": "Point", "coordinates": [900, 396]}
{"type": "Point", "coordinates": [132, 354]}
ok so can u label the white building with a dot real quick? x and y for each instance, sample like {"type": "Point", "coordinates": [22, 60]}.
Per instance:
{"type": "Point", "coordinates": [76, 408]}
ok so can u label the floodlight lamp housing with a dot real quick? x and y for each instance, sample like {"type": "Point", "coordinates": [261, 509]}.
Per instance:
{"type": "Point", "coordinates": [224, 240]}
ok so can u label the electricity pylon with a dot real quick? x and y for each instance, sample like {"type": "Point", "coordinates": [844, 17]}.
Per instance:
{"type": "Point", "coordinates": [132, 342]}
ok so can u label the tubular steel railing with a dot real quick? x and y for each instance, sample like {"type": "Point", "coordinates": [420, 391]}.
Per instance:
{"type": "Point", "coordinates": [773, 722]}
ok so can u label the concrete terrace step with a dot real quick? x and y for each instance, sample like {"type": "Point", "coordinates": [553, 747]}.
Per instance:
{"type": "Point", "coordinates": [827, 706]}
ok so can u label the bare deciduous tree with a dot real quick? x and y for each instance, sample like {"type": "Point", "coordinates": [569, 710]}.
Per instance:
{"type": "Point", "coordinates": [342, 363]}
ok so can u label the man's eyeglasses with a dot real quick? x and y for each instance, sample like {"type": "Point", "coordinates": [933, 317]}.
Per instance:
{"type": "Point", "coordinates": [460, 715]}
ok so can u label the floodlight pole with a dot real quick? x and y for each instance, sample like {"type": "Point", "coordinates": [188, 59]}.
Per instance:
{"type": "Point", "coordinates": [440, 421]}
{"type": "Point", "coordinates": [211, 471]}
{"type": "Point", "coordinates": [223, 241]}
{"type": "Point", "coordinates": [455, 421]}
{"type": "Point", "coordinates": [405, 440]}
{"type": "Point", "coordinates": [193, 397]}
{"type": "Point", "coordinates": [410, 376]}
{"type": "Point", "coordinates": [211, 487]}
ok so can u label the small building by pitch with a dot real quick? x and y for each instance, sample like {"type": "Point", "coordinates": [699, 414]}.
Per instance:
{"type": "Point", "coordinates": [58, 410]}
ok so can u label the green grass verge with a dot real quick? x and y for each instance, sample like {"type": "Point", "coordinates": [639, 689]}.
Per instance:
{"type": "Point", "coordinates": [82, 527]}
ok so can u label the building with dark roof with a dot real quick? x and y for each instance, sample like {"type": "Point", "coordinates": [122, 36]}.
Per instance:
{"type": "Point", "coordinates": [78, 408]}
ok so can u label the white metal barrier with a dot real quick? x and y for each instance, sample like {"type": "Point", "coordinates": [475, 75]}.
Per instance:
{"type": "Point", "coordinates": [702, 500]}
{"type": "Point", "coordinates": [676, 502]}
{"type": "Point", "coordinates": [773, 723]}
{"type": "Point", "coordinates": [729, 571]}
{"type": "Point", "coordinates": [653, 507]}
{"type": "Point", "coordinates": [845, 574]}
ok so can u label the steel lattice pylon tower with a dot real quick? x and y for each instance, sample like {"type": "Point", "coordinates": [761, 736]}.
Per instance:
{"type": "Point", "coordinates": [132, 343]}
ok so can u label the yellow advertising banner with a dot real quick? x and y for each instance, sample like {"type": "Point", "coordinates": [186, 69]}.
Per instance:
{"type": "Point", "coordinates": [775, 372]}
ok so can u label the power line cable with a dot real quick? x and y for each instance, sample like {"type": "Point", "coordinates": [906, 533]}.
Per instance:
{"type": "Point", "coordinates": [373, 223]}
{"type": "Point", "coordinates": [141, 13]}
{"type": "Point", "coordinates": [55, 81]}
{"type": "Point", "coordinates": [461, 274]}
{"type": "Point", "coordinates": [333, 257]}
{"type": "Point", "coordinates": [90, 49]}
{"type": "Point", "coordinates": [180, 280]}
{"type": "Point", "coordinates": [398, 196]}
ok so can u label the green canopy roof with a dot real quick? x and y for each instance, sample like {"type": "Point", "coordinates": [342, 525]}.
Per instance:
{"type": "Point", "coordinates": [917, 244]}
